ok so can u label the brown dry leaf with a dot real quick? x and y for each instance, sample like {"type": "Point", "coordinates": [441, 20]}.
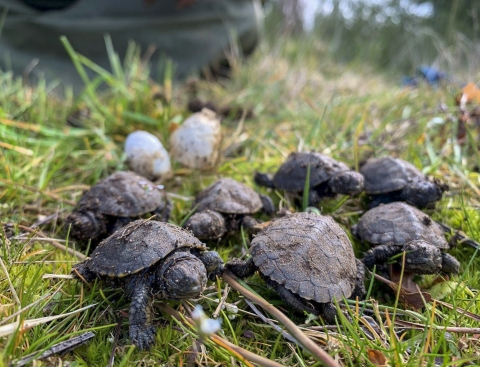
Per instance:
{"type": "Point", "coordinates": [470, 94]}
{"type": "Point", "coordinates": [172, 127]}
{"type": "Point", "coordinates": [410, 294]}
{"type": "Point", "coordinates": [377, 357]}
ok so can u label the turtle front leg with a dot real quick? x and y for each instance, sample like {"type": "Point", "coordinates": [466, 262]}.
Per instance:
{"type": "Point", "coordinates": [268, 205]}
{"type": "Point", "coordinates": [241, 268]}
{"type": "Point", "coordinates": [450, 264]}
{"type": "Point", "coordinates": [249, 223]}
{"type": "Point", "coordinates": [142, 332]}
{"type": "Point", "coordinates": [380, 254]}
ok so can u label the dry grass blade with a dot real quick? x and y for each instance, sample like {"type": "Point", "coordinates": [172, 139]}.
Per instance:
{"type": "Point", "coordinates": [8, 329]}
{"type": "Point", "coordinates": [27, 152]}
{"type": "Point", "coordinates": [12, 288]}
{"type": "Point", "coordinates": [450, 329]}
{"type": "Point", "coordinates": [19, 312]}
{"type": "Point", "coordinates": [295, 331]}
{"type": "Point", "coordinates": [111, 359]}
{"type": "Point", "coordinates": [255, 358]}
{"type": "Point", "coordinates": [222, 302]}
{"type": "Point", "coordinates": [34, 189]}
{"type": "Point", "coordinates": [471, 315]}
{"type": "Point", "coordinates": [54, 243]}
{"type": "Point", "coordinates": [269, 322]}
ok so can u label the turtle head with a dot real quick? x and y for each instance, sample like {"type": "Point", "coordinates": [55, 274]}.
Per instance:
{"type": "Point", "coordinates": [182, 275]}
{"type": "Point", "coordinates": [84, 225]}
{"type": "Point", "coordinates": [422, 193]}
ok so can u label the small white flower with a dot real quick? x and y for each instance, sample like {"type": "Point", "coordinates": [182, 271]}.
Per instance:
{"type": "Point", "coordinates": [203, 324]}
{"type": "Point", "coordinates": [209, 326]}
{"type": "Point", "coordinates": [198, 314]}
{"type": "Point", "coordinates": [231, 308]}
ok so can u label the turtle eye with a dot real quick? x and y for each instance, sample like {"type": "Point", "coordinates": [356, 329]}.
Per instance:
{"type": "Point", "coordinates": [185, 278]}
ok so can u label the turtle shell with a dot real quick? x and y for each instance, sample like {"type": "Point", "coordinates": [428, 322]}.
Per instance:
{"type": "Point", "coordinates": [230, 197]}
{"type": "Point", "coordinates": [292, 174]}
{"type": "Point", "coordinates": [308, 254]}
{"type": "Point", "coordinates": [398, 224]}
{"type": "Point", "coordinates": [137, 246]}
{"type": "Point", "coordinates": [387, 174]}
{"type": "Point", "coordinates": [122, 194]}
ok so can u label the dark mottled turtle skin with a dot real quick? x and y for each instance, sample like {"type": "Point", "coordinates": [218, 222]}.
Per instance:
{"type": "Point", "coordinates": [151, 259]}
{"type": "Point", "coordinates": [224, 207]}
{"type": "Point", "coordinates": [389, 179]}
{"type": "Point", "coordinates": [115, 201]}
{"type": "Point", "coordinates": [308, 259]}
{"type": "Point", "coordinates": [397, 227]}
{"type": "Point", "coordinates": [327, 177]}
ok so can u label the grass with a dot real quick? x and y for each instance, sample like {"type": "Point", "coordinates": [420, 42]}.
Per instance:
{"type": "Point", "coordinates": [302, 100]}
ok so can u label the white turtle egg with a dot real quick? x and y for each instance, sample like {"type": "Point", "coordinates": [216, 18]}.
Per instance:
{"type": "Point", "coordinates": [196, 143]}
{"type": "Point", "coordinates": [147, 156]}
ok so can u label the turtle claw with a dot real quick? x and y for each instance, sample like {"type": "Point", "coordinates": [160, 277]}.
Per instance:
{"type": "Point", "coordinates": [142, 337]}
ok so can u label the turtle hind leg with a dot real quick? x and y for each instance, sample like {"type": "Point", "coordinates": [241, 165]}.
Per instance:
{"type": "Point", "coordinates": [293, 300]}
{"type": "Point", "coordinates": [142, 332]}
{"type": "Point", "coordinates": [359, 288]}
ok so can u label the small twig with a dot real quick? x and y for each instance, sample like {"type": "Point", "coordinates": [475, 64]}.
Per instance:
{"type": "Point", "coordinates": [304, 340]}
{"type": "Point", "coordinates": [221, 302]}
{"type": "Point", "coordinates": [10, 284]}
{"type": "Point", "coordinates": [450, 329]}
{"type": "Point", "coordinates": [267, 321]}
{"type": "Point", "coordinates": [255, 358]}
{"type": "Point", "coordinates": [46, 219]}
{"type": "Point", "coordinates": [111, 360]}
{"type": "Point", "coordinates": [59, 348]}
{"type": "Point", "coordinates": [125, 233]}
{"type": "Point", "coordinates": [54, 243]}
{"type": "Point", "coordinates": [57, 276]}
{"type": "Point", "coordinates": [179, 197]}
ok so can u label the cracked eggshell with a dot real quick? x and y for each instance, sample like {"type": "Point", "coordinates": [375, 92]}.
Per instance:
{"type": "Point", "coordinates": [147, 156]}
{"type": "Point", "coordinates": [196, 143]}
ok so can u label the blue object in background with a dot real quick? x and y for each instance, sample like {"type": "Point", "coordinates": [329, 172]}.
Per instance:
{"type": "Point", "coordinates": [427, 74]}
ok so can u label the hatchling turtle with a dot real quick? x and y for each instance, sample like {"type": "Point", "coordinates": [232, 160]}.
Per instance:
{"type": "Point", "coordinates": [224, 206]}
{"type": "Point", "coordinates": [308, 259]}
{"type": "Point", "coordinates": [151, 259]}
{"type": "Point", "coordinates": [397, 227]}
{"type": "Point", "coordinates": [327, 177]}
{"type": "Point", "coordinates": [114, 202]}
{"type": "Point", "coordinates": [389, 179]}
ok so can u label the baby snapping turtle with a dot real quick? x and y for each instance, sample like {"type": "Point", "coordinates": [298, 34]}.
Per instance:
{"type": "Point", "coordinates": [390, 179]}
{"type": "Point", "coordinates": [308, 259]}
{"type": "Point", "coordinates": [327, 177]}
{"type": "Point", "coordinates": [115, 201]}
{"type": "Point", "coordinates": [151, 259]}
{"type": "Point", "coordinates": [224, 207]}
{"type": "Point", "coordinates": [396, 227]}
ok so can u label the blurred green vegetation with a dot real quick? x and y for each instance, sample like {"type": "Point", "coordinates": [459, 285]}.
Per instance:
{"type": "Point", "coordinates": [396, 36]}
